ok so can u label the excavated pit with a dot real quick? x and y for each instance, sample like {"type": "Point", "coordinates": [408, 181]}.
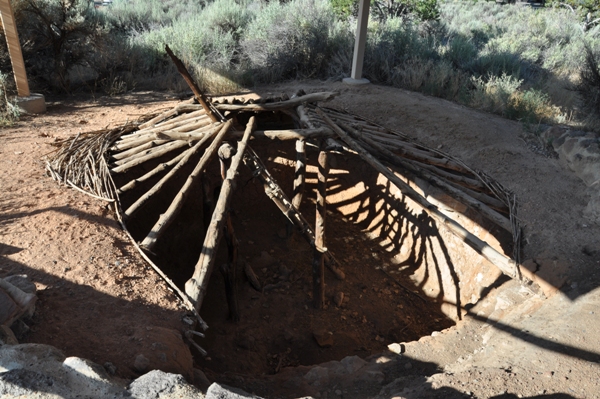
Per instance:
{"type": "Point", "coordinates": [405, 277]}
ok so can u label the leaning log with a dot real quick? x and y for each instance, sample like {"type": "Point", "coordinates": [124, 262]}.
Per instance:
{"type": "Point", "coordinates": [504, 263]}
{"type": "Point", "coordinates": [166, 218]}
{"type": "Point", "coordinates": [160, 184]}
{"type": "Point", "coordinates": [188, 78]}
{"type": "Point", "coordinates": [196, 287]}
{"type": "Point", "coordinates": [279, 198]}
{"type": "Point", "coordinates": [229, 269]}
{"type": "Point", "coordinates": [435, 180]}
{"type": "Point", "coordinates": [160, 168]}
{"type": "Point", "coordinates": [150, 154]}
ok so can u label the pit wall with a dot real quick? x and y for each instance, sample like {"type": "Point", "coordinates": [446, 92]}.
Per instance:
{"type": "Point", "coordinates": [440, 265]}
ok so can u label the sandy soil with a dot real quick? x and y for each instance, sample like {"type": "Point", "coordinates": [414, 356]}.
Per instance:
{"type": "Point", "coordinates": [95, 292]}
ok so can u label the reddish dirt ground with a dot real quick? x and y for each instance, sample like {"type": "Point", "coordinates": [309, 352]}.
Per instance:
{"type": "Point", "coordinates": [96, 294]}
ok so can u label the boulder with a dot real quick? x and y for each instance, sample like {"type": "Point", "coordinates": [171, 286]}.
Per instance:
{"type": "Point", "coordinates": [42, 371]}
{"type": "Point", "coordinates": [160, 385]}
{"type": "Point", "coordinates": [164, 350]}
{"type": "Point", "coordinates": [219, 391]}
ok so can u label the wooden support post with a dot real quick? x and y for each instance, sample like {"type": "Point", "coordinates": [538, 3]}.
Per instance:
{"type": "Point", "coordinates": [229, 269]}
{"type": "Point", "coordinates": [299, 179]}
{"type": "Point", "coordinates": [503, 262]}
{"type": "Point", "coordinates": [166, 218]}
{"type": "Point", "coordinates": [14, 48]}
{"type": "Point", "coordinates": [276, 194]}
{"type": "Point", "coordinates": [300, 173]}
{"type": "Point", "coordinates": [195, 89]}
{"type": "Point", "coordinates": [318, 269]}
{"type": "Point", "coordinates": [196, 286]}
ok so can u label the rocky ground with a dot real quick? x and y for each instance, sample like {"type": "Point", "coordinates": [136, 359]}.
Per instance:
{"type": "Point", "coordinates": [98, 299]}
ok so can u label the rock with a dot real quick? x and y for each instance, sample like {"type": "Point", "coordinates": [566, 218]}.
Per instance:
{"type": "Point", "coordinates": [86, 368]}
{"type": "Point", "coordinates": [14, 302]}
{"type": "Point", "coordinates": [110, 368]}
{"type": "Point", "coordinates": [9, 311]}
{"type": "Point", "coordinates": [22, 282]}
{"type": "Point", "coordinates": [284, 271]}
{"type": "Point", "coordinates": [264, 260]}
{"type": "Point", "coordinates": [338, 298]}
{"type": "Point", "coordinates": [20, 329]}
{"type": "Point", "coordinates": [289, 335]}
{"type": "Point", "coordinates": [353, 363]}
{"type": "Point", "coordinates": [165, 351]}
{"type": "Point", "coordinates": [548, 272]}
{"type": "Point", "coordinates": [42, 371]}
{"type": "Point", "coordinates": [550, 135]}
{"type": "Point", "coordinates": [318, 376]}
{"type": "Point", "coordinates": [580, 154]}
{"type": "Point", "coordinates": [396, 348]}
{"type": "Point", "coordinates": [372, 376]}
{"type": "Point", "coordinates": [160, 385]}
{"type": "Point", "coordinates": [324, 339]}
{"type": "Point", "coordinates": [7, 337]}
{"type": "Point", "coordinates": [141, 363]}
{"type": "Point", "coordinates": [218, 391]}
{"type": "Point", "coordinates": [245, 341]}
{"type": "Point", "coordinates": [592, 209]}
{"type": "Point", "coordinates": [200, 380]}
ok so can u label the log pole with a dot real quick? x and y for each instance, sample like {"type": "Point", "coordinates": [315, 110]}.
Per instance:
{"type": "Point", "coordinates": [160, 184]}
{"type": "Point", "coordinates": [280, 199]}
{"type": "Point", "coordinates": [299, 179]}
{"type": "Point", "coordinates": [504, 263]}
{"type": "Point", "coordinates": [195, 89]}
{"type": "Point", "coordinates": [196, 286]}
{"type": "Point", "coordinates": [167, 218]}
{"type": "Point", "coordinates": [229, 269]}
{"type": "Point", "coordinates": [318, 269]}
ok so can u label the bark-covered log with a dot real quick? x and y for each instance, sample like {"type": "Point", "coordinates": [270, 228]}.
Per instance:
{"type": "Point", "coordinates": [167, 218]}
{"type": "Point", "coordinates": [196, 286]}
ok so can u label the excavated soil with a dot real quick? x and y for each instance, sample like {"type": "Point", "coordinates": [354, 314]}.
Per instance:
{"type": "Point", "coordinates": [96, 293]}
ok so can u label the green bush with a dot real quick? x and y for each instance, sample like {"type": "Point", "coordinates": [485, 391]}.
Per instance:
{"type": "Point", "coordinates": [588, 86]}
{"type": "Point", "coordinates": [9, 112]}
{"type": "Point", "coordinates": [57, 35]}
{"type": "Point", "coordinates": [515, 61]}
{"type": "Point", "coordinates": [293, 40]}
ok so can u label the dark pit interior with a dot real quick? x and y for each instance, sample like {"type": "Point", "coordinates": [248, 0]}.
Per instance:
{"type": "Point", "coordinates": [404, 278]}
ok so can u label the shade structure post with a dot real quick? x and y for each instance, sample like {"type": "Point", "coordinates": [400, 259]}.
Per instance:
{"type": "Point", "coordinates": [360, 44]}
{"type": "Point", "coordinates": [26, 102]}
{"type": "Point", "coordinates": [14, 47]}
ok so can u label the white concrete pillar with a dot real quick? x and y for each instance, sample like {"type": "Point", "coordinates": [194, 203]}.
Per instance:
{"type": "Point", "coordinates": [359, 44]}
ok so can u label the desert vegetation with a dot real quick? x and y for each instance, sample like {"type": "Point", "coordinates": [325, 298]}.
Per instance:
{"type": "Point", "coordinates": [533, 65]}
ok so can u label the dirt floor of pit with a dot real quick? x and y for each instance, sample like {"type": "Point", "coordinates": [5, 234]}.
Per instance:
{"type": "Point", "coordinates": [96, 292]}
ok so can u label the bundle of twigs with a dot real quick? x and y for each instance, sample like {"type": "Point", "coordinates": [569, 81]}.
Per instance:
{"type": "Point", "coordinates": [81, 162]}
